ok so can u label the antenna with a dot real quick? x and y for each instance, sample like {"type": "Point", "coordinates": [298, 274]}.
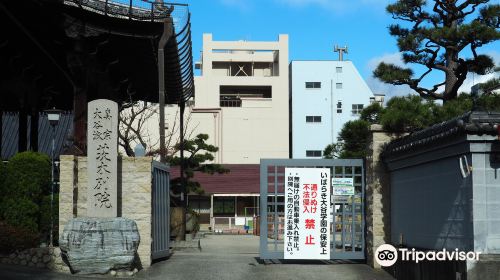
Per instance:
{"type": "Point", "coordinates": [341, 51]}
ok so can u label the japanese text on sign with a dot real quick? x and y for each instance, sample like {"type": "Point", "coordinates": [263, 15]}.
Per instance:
{"type": "Point", "coordinates": [343, 186]}
{"type": "Point", "coordinates": [307, 213]}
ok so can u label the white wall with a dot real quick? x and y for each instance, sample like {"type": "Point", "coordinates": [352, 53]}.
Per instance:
{"type": "Point", "coordinates": [323, 102]}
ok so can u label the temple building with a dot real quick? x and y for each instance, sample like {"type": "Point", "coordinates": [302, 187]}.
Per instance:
{"type": "Point", "coordinates": [63, 54]}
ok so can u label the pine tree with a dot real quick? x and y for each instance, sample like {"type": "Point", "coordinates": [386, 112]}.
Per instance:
{"type": "Point", "coordinates": [437, 36]}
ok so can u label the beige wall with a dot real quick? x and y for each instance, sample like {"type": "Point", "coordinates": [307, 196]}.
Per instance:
{"type": "Point", "coordinates": [259, 128]}
{"type": "Point", "coordinates": [134, 195]}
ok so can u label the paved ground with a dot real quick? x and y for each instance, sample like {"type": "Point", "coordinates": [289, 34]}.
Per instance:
{"type": "Point", "coordinates": [224, 257]}
{"type": "Point", "coordinates": [236, 257]}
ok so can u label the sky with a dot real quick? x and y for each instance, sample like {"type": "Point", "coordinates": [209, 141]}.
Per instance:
{"type": "Point", "coordinates": [314, 28]}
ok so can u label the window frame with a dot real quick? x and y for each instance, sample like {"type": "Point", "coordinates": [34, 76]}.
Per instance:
{"type": "Point", "coordinates": [226, 202]}
{"type": "Point", "coordinates": [357, 110]}
{"type": "Point", "coordinates": [313, 119]}
{"type": "Point", "coordinates": [313, 85]}
{"type": "Point", "coordinates": [314, 153]}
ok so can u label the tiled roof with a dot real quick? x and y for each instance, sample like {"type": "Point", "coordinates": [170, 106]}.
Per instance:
{"type": "Point", "coordinates": [242, 178]}
{"type": "Point", "coordinates": [475, 122]}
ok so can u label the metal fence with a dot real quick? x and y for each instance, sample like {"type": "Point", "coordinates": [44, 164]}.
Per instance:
{"type": "Point", "coordinates": [232, 224]}
{"type": "Point", "coordinates": [223, 224]}
{"type": "Point", "coordinates": [160, 232]}
{"type": "Point", "coordinates": [348, 219]}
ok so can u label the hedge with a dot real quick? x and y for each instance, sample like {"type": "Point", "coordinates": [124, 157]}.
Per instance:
{"type": "Point", "coordinates": [24, 181]}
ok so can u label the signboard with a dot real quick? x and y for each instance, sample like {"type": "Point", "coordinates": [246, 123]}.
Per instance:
{"type": "Point", "coordinates": [307, 213]}
{"type": "Point", "coordinates": [340, 199]}
{"type": "Point", "coordinates": [102, 154]}
{"type": "Point", "coordinates": [343, 186]}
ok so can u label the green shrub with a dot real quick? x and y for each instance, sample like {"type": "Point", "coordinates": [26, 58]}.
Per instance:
{"type": "Point", "coordinates": [15, 238]}
{"type": "Point", "coordinates": [45, 218]}
{"type": "Point", "coordinates": [27, 177]}
{"type": "Point", "coordinates": [3, 174]}
{"type": "Point", "coordinates": [21, 213]}
{"type": "Point", "coordinates": [2, 177]}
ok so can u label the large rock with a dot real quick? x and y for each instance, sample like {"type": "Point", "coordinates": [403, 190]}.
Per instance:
{"type": "Point", "coordinates": [97, 245]}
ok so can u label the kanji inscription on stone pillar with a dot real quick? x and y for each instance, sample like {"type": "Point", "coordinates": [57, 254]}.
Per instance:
{"type": "Point", "coordinates": [102, 154]}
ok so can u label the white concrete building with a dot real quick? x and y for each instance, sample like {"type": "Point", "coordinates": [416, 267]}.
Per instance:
{"type": "Point", "coordinates": [324, 96]}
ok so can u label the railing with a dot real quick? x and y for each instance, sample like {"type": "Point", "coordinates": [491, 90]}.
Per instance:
{"type": "Point", "coordinates": [223, 224]}
{"type": "Point", "coordinates": [180, 53]}
{"type": "Point", "coordinates": [230, 103]}
{"type": "Point", "coordinates": [142, 10]}
{"type": "Point", "coordinates": [236, 225]}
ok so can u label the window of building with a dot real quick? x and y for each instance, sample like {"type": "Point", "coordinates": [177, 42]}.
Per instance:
{"type": "Point", "coordinates": [275, 203]}
{"type": "Point", "coordinates": [313, 153]}
{"type": "Point", "coordinates": [339, 85]}
{"type": "Point", "coordinates": [231, 96]}
{"type": "Point", "coordinates": [338, 69]}
{"type": "Point", "coordinates": [224, 205]}
{"type": "Point", "coordinates": [357, 108]}
{"type": "Point", "coordinates": [339, 106]}
{"type": "Point", "coordinates": [313, 119]}
{"type": "Point", "coordinates": [313, 84]}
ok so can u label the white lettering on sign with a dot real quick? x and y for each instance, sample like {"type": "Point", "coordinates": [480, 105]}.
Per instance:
{"type": "Point", "coordinates": [102, 153]}
{"type": "Point", "coordinates": [307, 213]}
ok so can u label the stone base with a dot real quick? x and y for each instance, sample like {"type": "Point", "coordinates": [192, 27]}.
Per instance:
{"type": "Point", "coordinates": [98, 245]}
{"type": "Point", "coordinates": [43, 257]}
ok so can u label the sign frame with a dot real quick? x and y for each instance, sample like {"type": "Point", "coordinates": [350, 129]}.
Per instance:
{"type": "Point", "coordinates": [307, 213]}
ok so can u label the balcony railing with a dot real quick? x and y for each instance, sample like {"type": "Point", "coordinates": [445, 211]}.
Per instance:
{"type": "Point", "coordinates": [230, 103]}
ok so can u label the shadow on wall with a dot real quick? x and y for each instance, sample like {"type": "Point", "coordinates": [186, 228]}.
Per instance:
{"type": "Point", "coordinates": [495, 157]}
{"type": "Point", "coordinates": [428, 270]}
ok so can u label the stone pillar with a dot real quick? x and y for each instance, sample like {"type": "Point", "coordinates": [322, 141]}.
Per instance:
{"type": "Point", "coordinates": [81, 191]}
{"type": "Point", "coordinates": [378, 194]}
{"type": "Point", "coordinates": [134, 197]}
{"type": "Point", "coordinates": [66, 185]}
{"type": "Point", "coordinates": [133, 193]}
{"type": "Point", "coordinates": [102, 155]}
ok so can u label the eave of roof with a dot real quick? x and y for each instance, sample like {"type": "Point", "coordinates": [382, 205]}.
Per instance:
{"type": "Point", "coordinates": [473, 123]}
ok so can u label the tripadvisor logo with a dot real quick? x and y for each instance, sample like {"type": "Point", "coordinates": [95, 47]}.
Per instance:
{"type": "Point", "coordinates": [387, 255]}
